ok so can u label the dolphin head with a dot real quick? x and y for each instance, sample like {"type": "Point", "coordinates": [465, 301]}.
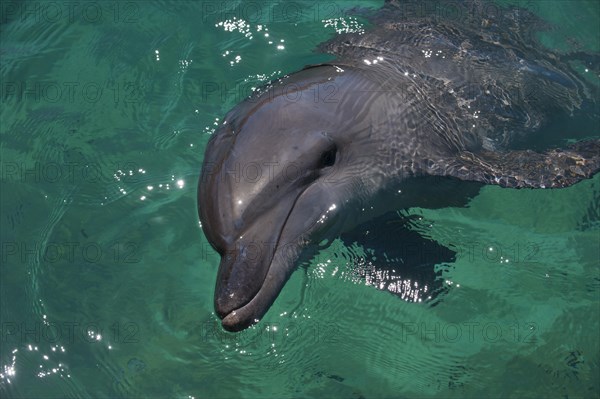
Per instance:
{"type": "Point", "coordinates": [275, 177]}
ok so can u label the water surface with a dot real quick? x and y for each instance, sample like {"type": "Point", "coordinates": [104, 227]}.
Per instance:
{"type": "Point", "coordinates": [107, 279]}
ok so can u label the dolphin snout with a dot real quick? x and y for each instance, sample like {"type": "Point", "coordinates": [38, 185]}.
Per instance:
{"type": "Point", "coordinates": [227, 298]}
{"type": "Point", "coordinates": [241, 274]}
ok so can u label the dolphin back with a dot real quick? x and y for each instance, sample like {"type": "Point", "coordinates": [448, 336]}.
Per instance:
{"type": "Point", "coordinates": [476, 61]}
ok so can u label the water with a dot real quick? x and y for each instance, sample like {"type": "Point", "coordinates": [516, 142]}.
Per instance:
{"type": "Point", "coordinates": [106, 277]}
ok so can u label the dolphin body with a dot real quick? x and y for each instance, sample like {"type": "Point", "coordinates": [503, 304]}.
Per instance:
{"type": "Point", "coordinates": [416, 106]}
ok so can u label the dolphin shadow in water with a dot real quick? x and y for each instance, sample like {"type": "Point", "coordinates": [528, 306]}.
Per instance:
{"type": "Point", "coordinates": [399, 261]}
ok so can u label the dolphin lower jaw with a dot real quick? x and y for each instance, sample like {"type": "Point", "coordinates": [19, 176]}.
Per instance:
{"type": "Point", "coordinates": [238, 281]}
{"type": "Point", "coordinates": [279, 271]}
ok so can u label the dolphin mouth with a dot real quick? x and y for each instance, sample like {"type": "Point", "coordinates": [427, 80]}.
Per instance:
{"type": "Point", "coordinates": [250, 313]}
{"type": "Point", "coordinates": [277, 273]}
{"type": "Point", "coordinates": [232, 323]}
{"type": "Point", "coordinates": [243, 317]}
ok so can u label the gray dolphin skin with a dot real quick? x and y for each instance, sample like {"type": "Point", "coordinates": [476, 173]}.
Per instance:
{"type": "Point", "coordinates": [420, 98]}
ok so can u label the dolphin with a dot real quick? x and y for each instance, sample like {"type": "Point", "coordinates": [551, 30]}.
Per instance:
{"type": "Point", "coordinates": [404, 116]}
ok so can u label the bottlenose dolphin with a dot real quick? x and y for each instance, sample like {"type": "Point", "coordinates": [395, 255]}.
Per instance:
{"type": "Point", "coordinates": [415, 106]}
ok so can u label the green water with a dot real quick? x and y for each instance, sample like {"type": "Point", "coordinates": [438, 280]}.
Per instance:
{"type": "Point", "coordinates": [107, 279]}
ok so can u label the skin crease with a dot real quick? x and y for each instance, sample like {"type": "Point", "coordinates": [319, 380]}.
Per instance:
{"type": "Point", "coordinates": [331, 146]}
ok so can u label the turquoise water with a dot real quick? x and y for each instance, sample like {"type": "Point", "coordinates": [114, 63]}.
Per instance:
{"type": "Point", "coordinates": [107, 279]}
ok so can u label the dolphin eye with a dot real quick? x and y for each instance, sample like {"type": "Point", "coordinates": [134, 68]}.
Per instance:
{"type": "Point", "coordinates": [328, 157]}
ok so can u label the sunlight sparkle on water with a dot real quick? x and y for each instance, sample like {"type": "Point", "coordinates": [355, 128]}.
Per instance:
{"type": "Point", "coordinates": [9, 370]}
{"type": "Point", "coordinates": [247, 30]}
{"type": "Point", "coordinates": [344, 25]}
